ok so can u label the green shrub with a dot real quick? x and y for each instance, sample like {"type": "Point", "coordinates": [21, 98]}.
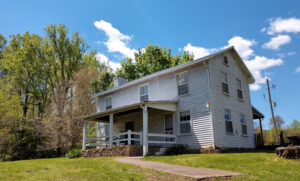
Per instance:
{"type": "Point", "coordinates": [176, 150]}
{"type": "Point", "coordinates": [74, 153]}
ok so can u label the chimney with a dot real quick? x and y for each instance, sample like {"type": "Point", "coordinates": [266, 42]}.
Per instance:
{"type": "Point", "coordinates": [119, 81]}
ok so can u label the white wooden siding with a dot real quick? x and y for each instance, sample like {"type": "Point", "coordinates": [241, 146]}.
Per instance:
{"type": "Point", "coordinates": [195, 102]}
{"type": "Point", "coordinates": [237, 107]}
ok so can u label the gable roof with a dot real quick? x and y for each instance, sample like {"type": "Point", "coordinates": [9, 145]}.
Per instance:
{"type": "Point", "coordinates": [182, 66]}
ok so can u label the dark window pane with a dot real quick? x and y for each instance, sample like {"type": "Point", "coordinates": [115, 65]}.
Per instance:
{"type": "Point", "coordinates": [225, 88]}
{"type": "Point", "coordinates": [185, 128]}
{"type": "Point", "coordinates": [229, 128]}
{"type": "Point", "coordinates": [183, 89]}
{"type": "Point", "coordinates": [144, 98]}
{"type": "Point", "coordinates": [244, 129]}
{"type": "Point", "coordinates": [240, 94]}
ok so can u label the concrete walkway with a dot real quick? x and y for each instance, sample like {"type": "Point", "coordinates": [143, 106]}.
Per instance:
{"type": "Point", "coordinates": [196, 173]}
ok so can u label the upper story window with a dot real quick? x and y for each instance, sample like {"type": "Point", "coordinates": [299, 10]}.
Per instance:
{"type": "Point", "coordinates": [225, 60]}
{"type": "Point", "coordinates": [185, 122]}
{"type": "Point", "coordinates": [144, 93]}
{"type": "Point", "coordinates": [225, 88]}
{"type": "Point", "coordinates": [239, 89]}
{"type": "Point", "coordinates": [228, 121]}
{"type": "Point", "coordinates": [183, 83]}
{"type": "Point", "coordinates": [243, 123]}
{"type": "Point", "coordinates": [108, 102]}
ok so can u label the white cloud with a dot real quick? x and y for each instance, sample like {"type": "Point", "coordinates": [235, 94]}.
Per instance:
{"type": "Point", "coordinates": [280, 25]}
{"type": "Point", "coordinates": [277, 41]}
{"type": "Point", "coordinates": [291, 53]}
{"type": "Point", "coordinates": [198, 52]}
{"type": "Point", "coordinates": [297, 70]}
{"type": "Point", "coordinates": [242, 46]}
{"type": "Point", "coordinates": [104, 59]}
{"type": "Point", "coordinates": [257, 65]}
{"type": "Point", "coordinates": [117, 42]}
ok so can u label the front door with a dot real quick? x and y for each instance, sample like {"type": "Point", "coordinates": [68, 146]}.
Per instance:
{"type": "Point", "coordinates": [129, 126]}
{"type": "Point", "coordinates": [169, 126]}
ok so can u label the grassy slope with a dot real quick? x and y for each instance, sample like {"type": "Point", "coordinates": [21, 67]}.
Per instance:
{"type": "Point", "coordinates": [78, 169]}
{"type": "Point", "coordinates": [257, 166]}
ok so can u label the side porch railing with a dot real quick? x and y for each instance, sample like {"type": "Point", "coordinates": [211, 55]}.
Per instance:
{"type": "Point", "coordinates": [131, 138]}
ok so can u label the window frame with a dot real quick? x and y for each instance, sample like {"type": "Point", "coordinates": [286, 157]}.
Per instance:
{"type": "Point", "coordinates": [239, 88]}
{"type": "Point", "coordinates": [243, 123]}
{"type": "Point", "coordinates": [223, 60]}
{"type": "Point", "coordinates": [185, 122]}
{"type": "Point", "coordinates": [140, 95]}
{"type": "Point", "coordinates": [185, 83]}
{"type": "Point", "coordinates": [108, 107]}
{"type": "Point", "coordinates": [225, 76]}
{"type": "Point", "coordinates": [228, 120]}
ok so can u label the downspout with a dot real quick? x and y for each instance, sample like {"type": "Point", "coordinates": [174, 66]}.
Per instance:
{"type": "Point", "coordinates": [211, 104]}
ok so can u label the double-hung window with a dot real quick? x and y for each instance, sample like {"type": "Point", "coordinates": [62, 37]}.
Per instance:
{"type": "Point", "coordinates": [185, 122]}
{"type": "Point", "coordinates": [144, 93]}
{"type": "Point", "coordinates": [183, 83]}
{"type": "Point", "coordinates": [243, 123]}
{"type": "Point", "coordinates": [108, 102]}
{"type": "Point", "coordinates": [239, 89]}
{"type": "Point", "coordinates": [225, 88]}
{"type": "Point", "coordinates": [228, 121]}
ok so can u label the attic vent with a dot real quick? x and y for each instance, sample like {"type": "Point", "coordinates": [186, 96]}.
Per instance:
{"type": "Point", "coordinates": [118, 81]}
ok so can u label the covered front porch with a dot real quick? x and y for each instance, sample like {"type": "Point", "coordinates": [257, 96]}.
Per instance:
{"type": "Point", "coordinates": [145, 123]}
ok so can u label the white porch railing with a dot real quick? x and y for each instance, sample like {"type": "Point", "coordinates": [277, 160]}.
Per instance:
{"type": "Point", "coordinates": [131, 138]}
{"type": "Point", "coordinates": [97, 141]}
{"type": "Point", "coordinates": [128, 137]}
{"type": "Point", "coordinates": [161, 138]}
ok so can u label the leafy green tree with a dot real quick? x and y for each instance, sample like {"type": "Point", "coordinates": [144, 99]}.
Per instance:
{"type": "Point", "coordinates": [150, 60]}
{"type": "Point", "coordinates": [295, 124]}
{"type": "Point", "coordinates": [61, 58]}
{"type": "Point", "coordinates": [2, 44]}
{"type": "Point", "coordinates": [103, 82]}
{"type": "Point", "coordinates": [23, 70]}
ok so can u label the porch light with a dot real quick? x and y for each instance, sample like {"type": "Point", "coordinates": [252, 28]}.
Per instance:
{"type": "Point", "coordinates": [207, 105]}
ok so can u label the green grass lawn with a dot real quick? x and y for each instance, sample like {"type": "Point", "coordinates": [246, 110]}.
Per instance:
{"type": "Point", "coordinates": [78, 169]}
{"type": "Point", "coordinates": [257, 165]}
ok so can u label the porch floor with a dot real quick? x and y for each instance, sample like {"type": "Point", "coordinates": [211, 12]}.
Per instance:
{"type": "Point", "coordinates": [195, 173]}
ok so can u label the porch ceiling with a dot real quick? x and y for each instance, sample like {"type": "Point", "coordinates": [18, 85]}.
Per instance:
{"type": "Point", "coordinates": [104, 115]}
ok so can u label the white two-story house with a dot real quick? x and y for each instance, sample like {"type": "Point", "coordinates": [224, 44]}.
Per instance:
{"type": "Point", "coordinates": [204, 103]}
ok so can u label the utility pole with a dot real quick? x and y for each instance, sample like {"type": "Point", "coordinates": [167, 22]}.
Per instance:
{"type": "Point", "coordinates": [272, 112]}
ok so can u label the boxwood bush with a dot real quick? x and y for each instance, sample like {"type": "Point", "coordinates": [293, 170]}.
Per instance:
{"type": "Point", "coordinates": [74, 153]}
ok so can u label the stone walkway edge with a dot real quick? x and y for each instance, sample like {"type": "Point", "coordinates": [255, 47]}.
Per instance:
{"type": "Point", "coordinates": [191, 172]}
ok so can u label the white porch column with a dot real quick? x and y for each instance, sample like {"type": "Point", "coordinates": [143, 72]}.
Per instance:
{"type": "Point", "coordinates": [111, 128]}
{"type": "Point", "coordinates": [84, 136]}
{"type": "Point", "coordinates": [145, 130]}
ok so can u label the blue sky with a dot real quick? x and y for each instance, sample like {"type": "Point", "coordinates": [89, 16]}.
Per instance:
{"type": "Point", "coordinates": [265, 33]}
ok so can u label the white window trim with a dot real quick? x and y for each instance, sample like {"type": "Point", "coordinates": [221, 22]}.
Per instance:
{"type": "Point", "coordinates": [245, 123]}
{"type": "Point", "coordinates": [106, 102]}
{"type": "Point", "coordinates": [227, 109]}
{"type": "Point", "coordinates": [191, 122]}
{"type": "Point", "coordinates": [241, 89]}
{"type": "Point", "coordinates": [142, 85]}
{"type": "Point", "coordinates": [223, 72]}
{"type": "Point", "coordinates": [188, 83]}
{"type": "Point", "coordinates": [223, 58]}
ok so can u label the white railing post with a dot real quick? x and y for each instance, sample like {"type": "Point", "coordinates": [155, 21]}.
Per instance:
{"type": "Point", "coordinates": [129, 137]}
{"type": "Point", "coordinates": [84, 136]}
